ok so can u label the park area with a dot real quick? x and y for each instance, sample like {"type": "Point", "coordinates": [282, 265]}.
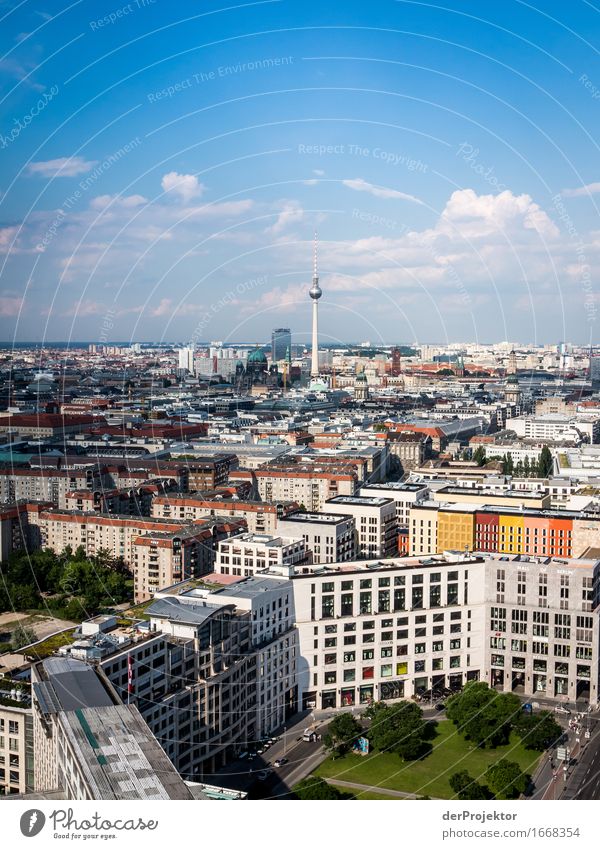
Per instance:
{"type": "Point", "coordinates": [426, 777]}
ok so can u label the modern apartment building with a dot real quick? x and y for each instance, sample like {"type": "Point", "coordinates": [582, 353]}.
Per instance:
{"type": "Point", "coordinates": [269, 601]}
{"type": "Point", "coordinates": [405, 495]}
{"type": "Point", "coordinates": [577, 428]}
{"type": "Point", "coordinates": [329, 536]}
{"type": "Point", "coordinates": [247, 553]}
{"type": "Point", "coordinates": [436, 528]}
{"type": "Point", "coordinates": [375, 521]}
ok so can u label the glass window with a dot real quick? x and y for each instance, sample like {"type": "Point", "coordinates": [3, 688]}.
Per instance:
{"type": "Point", "coordinates": [368, 672]}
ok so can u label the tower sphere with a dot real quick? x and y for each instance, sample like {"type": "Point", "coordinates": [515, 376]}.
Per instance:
{"type": "Point", "coordinates": [315, 291]}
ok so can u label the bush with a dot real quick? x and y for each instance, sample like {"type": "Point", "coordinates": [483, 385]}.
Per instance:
{"type": "Point", "coordinates": [314, 787]}
{"type": "Point", "coordinates": [22, 636]}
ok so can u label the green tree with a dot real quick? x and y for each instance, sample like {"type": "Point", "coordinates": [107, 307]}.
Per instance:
{"type": "Point", "coordinates": [506, 780]}
{"type": "Point", "coordinates": [545, 463]}
{"type": "Point", "coordinates": [399, 728]}
{"type": "Point", "coordinates": [483, 715]}
{"type": "Point", "coordinates": [465, 787]}
{"type": "Point", "coordinates": [509, 466]}
{"type": "Point", "coordinates": [526, 467]}
{"type": "Point", "coordinates": [479, 455]}
{"type": "Point", "coordinates": [314, 787]}
{"type": "Point", "coordinates": [21, 636]}
{"type": "Point", "coordinates": [538, 731]}
{"type": "Point", "coordinates": [341, 734]}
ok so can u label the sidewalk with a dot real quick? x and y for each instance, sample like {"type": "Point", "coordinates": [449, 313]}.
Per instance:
{"type": "Point", "coordinates": [369, 788]}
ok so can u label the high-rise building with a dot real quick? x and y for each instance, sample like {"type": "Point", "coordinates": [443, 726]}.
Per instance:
{"type": "Point", "coordinates": [281, 344]}
{"type": "Point", "coordinates": [186, 359]}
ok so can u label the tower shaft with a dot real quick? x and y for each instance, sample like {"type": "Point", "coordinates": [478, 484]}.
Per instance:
{"type": "Point", "coordinates": [314, 365]}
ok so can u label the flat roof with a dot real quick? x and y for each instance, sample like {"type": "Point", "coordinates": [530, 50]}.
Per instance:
{"type": "Point", "coordinates": [396, 486]}
{"type": "Point", "coordinates": [188, 613]}
{"type": "Point", "coordinates": [251, 587]}
{"type": "Point", "coordinates": [320, 518]}
{"type": "Point", "coordinates": [365, 500]}
{"type": "Point", "coordinates": [70, 684]}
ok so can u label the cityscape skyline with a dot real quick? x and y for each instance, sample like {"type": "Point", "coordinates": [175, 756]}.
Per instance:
{"type": "Point", "coordinates": [299, 414]}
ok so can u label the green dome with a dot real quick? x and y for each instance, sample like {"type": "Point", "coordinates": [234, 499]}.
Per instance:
{"type": "Point", "coordinates": [257, 356]}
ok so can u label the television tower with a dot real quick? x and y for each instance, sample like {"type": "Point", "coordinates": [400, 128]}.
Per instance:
{"type": "Point", "coordinates": [315, 293]}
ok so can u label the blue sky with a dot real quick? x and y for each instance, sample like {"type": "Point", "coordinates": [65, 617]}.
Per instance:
{"type": "Point", "coordinates": [163, 167]}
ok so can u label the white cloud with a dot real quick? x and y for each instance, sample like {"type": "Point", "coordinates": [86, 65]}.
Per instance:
{"type": "Point", "coordinates": [64, 167]}
{"type": "Point", "coordinates": [164, 308]}
{"type": "Point", "coordinates": [185, 186]}
{"type": "Point", "coordinates": [7, 234]}
{"type": "Point", "coordinates": [10, 306]}
{"type": "Point", "coordinates": [291, 213]}
{"type": "Point", "coordinates": [474, 216]}
{"type": "Point", "coordinates": [582, 191]}
{"type": "Point", "coordinates": [360, 185]}
{"type": "Point", "coordinates": [117, 201]}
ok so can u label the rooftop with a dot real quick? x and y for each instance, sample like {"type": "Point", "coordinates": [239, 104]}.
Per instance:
{"type": "Point", "coordinates": [320, 518]}
{"type": "Point", "coordinates": [186, 612]}
{"type": "Point", "coordinates": [119, 756]}
{"type": "Point", "coordinates": [359, 500]}
{"type": "Point", "coordinates": [69, 684]}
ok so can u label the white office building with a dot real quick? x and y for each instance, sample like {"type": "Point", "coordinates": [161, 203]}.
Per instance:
{"type": "Point", "coordinates": [405, 496]}
{"type": "Point", "coordinates": [375, 521]}
{"type": "Point", "coordinates": [329, 536]}
{"type": "Point", "coordinates": [247, 554]}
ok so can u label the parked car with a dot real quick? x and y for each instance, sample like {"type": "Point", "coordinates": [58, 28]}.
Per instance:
{"type": "Point", "coordinates": [280, 762]}
{"type": "Point", "coordinates": [561, 709]}
{"type": "Point", "coordinates": [264, 774]}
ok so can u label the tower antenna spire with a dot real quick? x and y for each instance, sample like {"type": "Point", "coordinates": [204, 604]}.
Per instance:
{"type": "Point", "coordinates": [315, 293]}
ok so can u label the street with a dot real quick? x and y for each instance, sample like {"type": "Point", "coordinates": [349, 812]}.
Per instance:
{"type": "Point", "coordinates": [301, 759]}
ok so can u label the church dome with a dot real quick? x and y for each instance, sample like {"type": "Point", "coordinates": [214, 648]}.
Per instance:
{"type": "Point", "coordinates": [257, 357]}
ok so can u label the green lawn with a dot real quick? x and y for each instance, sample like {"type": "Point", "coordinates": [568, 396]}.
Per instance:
{"type": "Point", "coordinates": [367, 794]}
{"type": "Point", "coordinates": [428, 777]}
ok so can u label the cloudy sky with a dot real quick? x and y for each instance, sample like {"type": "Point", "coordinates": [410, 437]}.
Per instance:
{"type": "Point", "coordinates": [163, 167]}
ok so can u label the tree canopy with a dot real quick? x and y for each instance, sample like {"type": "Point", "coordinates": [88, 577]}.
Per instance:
{"type": "Point", "coordinates": [483, 715]}
{"type": "Point", "coordinates": [466, 787]}
{"type": "Point", "coordinates": [315, 787]}
{"type": "Point", "coordinates": [399, 728]}
{"type": "Point", "coordinates": [538, 731]}
{"type": "Point", "coordinates": [341, 734]}
{"type": "Point", "coordinates": [506, 780]}
{"type": "Point", "coordinates": [69, 585]}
